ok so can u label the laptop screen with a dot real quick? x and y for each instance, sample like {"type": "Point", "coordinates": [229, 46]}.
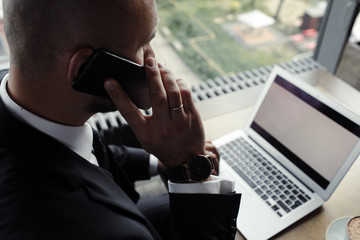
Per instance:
{"type": "Point", "coordinates": [313, 136]}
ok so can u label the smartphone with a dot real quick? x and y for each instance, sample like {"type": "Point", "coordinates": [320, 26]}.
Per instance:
{"type": "Point", "coordinates": [103, 65]}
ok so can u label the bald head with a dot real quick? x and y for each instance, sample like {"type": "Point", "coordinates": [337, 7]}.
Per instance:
{"type": "Point", "coordinates": [41, 32]}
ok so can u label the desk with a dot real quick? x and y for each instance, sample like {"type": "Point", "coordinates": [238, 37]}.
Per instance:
{"type": "Point", "coordinates": [345, 201]}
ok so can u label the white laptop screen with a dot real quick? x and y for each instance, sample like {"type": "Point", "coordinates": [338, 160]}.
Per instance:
{"type": "Point", "coordinates": [313, 136]}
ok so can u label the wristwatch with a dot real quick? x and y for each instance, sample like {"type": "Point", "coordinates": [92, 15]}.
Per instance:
{"type": "Point", "coordinates": [197, 169]}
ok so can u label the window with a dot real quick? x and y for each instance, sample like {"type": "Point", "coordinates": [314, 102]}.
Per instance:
{"type": "Point", "coordinates": [220, 37]}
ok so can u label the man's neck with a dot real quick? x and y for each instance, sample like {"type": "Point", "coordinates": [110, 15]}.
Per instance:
{"type": "Point", "coordinates": [37, 97]}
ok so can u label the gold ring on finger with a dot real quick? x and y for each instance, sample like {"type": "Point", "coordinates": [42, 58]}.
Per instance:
{"type": "Point", "coordinates": [177, 108]}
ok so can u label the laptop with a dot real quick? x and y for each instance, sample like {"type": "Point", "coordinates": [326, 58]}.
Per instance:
{"type": "Point", "coordinates": [290, 156]}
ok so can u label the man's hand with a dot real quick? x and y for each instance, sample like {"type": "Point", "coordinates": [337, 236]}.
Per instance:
{"type": "Point", "coordinates": [174, 132]}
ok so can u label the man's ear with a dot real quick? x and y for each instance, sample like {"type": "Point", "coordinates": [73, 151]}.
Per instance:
{"type": "Point", "coordinates": [77, 60]}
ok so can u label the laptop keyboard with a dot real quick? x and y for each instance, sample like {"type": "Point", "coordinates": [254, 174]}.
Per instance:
{"type": "Point", "coordinates": [277, 190]}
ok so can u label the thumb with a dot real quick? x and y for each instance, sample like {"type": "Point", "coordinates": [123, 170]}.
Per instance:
{"type": "Point", "coordinates": [123, 103]}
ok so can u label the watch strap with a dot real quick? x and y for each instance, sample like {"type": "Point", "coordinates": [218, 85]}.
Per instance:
{"type": "Point", "coordinates": [177, 174]}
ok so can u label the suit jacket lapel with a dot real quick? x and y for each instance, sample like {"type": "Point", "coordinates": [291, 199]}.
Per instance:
{"type": "Point", "coordinates": [102, 188]}
{"type": "Point", "coordinates": [106, 161]}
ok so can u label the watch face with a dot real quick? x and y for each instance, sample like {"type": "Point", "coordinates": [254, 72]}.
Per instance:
{"type": "Point", "coordinates": [199, 168]}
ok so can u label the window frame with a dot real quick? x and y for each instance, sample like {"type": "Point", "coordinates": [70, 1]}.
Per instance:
{"type": "Point", "coordinates": [335, 31]}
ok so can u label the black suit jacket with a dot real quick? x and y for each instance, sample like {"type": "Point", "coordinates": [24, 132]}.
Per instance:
{"type": "Point", "coordinates": [49, 192]}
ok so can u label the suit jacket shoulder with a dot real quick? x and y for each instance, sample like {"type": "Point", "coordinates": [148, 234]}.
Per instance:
{"type": "Point", "coordinates": [49, 192]}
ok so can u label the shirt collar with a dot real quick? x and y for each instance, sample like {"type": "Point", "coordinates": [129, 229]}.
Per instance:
{"type": "Point", "coordinates": [78, 138]}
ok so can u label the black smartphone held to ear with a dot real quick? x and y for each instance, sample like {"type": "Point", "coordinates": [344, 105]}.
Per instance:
{"type": "Point", "coordinates": [103, 65]}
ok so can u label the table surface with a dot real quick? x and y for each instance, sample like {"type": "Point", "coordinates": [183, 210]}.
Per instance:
{"type": "Point", "coordinates": [345, 201]}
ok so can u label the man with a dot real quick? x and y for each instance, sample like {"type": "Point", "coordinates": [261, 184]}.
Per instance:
{"type": "Point", "coordinates": [51, 185]}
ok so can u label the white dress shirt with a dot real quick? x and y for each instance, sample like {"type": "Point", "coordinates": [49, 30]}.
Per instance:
{"type": "Point", "coordinates": [79, 139]}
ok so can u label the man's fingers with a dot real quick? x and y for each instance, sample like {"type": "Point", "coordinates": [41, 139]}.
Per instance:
{"type": "Point", "coordinates": [171, 87]}
{"type": "Point", "coordinates": [214, 154]}
{"type": "Point", "coordinates": [215, 162]}
{"type": "Point", "coordinates": [211, 147]}
{"type": "Point", "coordinates": [187, 100]}
{"type": "Point", "coordinates": [123, 103]}
{"type": "Point", "coordinates": [156, 88]}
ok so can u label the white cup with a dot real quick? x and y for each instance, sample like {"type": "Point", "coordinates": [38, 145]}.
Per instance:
{"type": "Point", "coordinates": [352, 229]}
